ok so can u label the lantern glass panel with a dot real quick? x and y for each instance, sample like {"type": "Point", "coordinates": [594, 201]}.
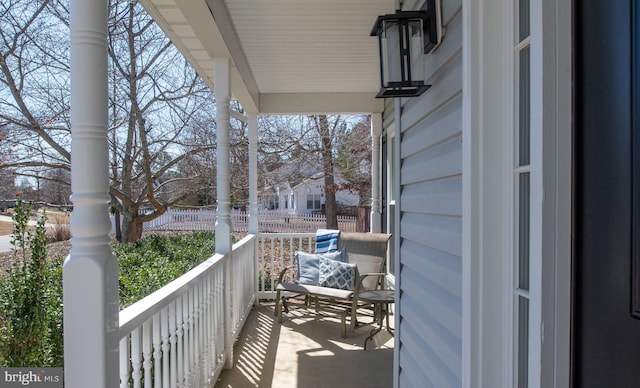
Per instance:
{"type": "Point", "coordinates": [391, 58]}
{"type": "Point", "coordinates": [402, 43]}
{"type": "Point", "coordinates": [416, 50]}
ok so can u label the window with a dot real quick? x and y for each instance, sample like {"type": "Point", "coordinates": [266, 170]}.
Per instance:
{"type": "Point", "coordinates": [522, 198]}
{"type": "Point", "coordinates": [313, 202]}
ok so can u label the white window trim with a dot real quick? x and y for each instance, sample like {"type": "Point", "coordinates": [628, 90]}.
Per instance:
{"type": "Point", "coordinates": [550, 210]}
{"type": "Point", "coordinates": [484, 102]}
{"type": "Point", "coordinates": [510, 246]}
{"type": "Point", "coordinates": [551, 155]}
{"type": "Point", "coordinates": [390, 132]}
{"type": "Point", "coordinates": [397, 112]}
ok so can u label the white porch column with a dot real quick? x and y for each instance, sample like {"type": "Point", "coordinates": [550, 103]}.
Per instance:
{"type": "Point", "coordinates": [222, 92]}
{"type": "Point", "coordinates": [376, 214]}
{"type": "Point", "coordinates": [252, 123]}
{"type": "Point", "coordinates": [90, 273]}
{"type": "Point", "coordinates": [253, 173]}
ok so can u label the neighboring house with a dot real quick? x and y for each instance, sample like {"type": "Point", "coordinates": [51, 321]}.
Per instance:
{"type": "Point", "coordinates": [305, 197]}
{"type": "Point", "coordinates": [510, 186]}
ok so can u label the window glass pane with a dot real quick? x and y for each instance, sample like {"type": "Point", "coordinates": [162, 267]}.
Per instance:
{"type": "Point", "coordinates": [392, 178]}
{"type": "Point", "coordinates": [523, 231]}
{"type": "Point", "coordinates": [309, 201]}
{"type": "Point", "coordinates": [524, 118]}
{"type": "Point", "coordinates": [523, 342]}
{"type": "Point", "coordinates": [524, 19]}
{"type": "Point", "coordinates": [391, 253]}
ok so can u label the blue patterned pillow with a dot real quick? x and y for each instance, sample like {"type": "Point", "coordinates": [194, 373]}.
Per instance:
{"type": "Point", "coordinates": [309, 263]}
{"type": "Point", "coordinates": [336, 274]}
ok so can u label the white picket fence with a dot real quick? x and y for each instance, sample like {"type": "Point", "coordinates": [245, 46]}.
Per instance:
{"type": "Point", "coordinates": [268, 221]}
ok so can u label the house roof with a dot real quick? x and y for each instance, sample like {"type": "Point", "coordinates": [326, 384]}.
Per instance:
{"type": "Point", "coordinates": [288, 56]}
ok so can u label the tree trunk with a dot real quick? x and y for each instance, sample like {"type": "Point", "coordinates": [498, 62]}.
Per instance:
{"type": "Point", "coordinates": [118, 225]}
{"type": "Point", "coordinates": [331, 210]}
{"type": "Point", "coordinates": [133, 230]}
{"type": "Point", "coordinates": [131, 226]}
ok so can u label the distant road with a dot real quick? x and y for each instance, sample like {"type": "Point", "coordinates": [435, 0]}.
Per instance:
{"type": "Point", "coordinates": [5, 245]}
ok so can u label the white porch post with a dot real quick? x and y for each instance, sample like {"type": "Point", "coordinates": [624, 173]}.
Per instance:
{"type": "Point", "coordinates": [222, 92]}
{"type": "Point", "coordinates": [90, 273]}
{"type": "Point", "coordinates": [253, 173]}
{"type": "Point", "coordinates": [376, 214]}
{"type": "Point", "coordinates": [252, 123]}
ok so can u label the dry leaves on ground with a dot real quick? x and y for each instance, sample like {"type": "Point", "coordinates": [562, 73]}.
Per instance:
{"type": "Point", "coordinates": [5, 228]}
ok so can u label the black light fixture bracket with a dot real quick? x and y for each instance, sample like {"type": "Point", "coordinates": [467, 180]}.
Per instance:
{"type": "Point", "coordinates": [401, 59]}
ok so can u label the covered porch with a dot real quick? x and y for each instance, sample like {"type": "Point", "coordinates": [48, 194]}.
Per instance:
{"type": "Point", "coordinates": [305, 351]}
{"type": "Point", "coordinates": [216, 326]}
{"type": "Point", "coordinates": [184, 334]}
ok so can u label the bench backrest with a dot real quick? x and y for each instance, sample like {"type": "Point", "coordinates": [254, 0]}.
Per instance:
{"type": "Point", "coordinates": [368, 251]}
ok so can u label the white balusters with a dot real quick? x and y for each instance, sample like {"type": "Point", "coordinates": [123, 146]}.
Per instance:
{"type": "Point", "coordinates": [185, 338]}
{"type": "Point", "coordinates": [198, 334]}
{"type": "Point", "coordinates": [180, 342]}
{"type": "Point", "coordinates": [136, 361]}
{"type": "Point", "coordinates": [277, 251]}
{"type": "Point", "coordinates": [172, 341]}
{"type": "Point", "coordinates": [147, 361]}
{"type": "Point", "coordinates": [210, 354]}
{"type": "Point", "coordinates": [124, 362]}
{"type": "Point", "coordinates": [192, 335]}
{"type": "Point", "coordinates": [164, 335]}
{"type": "Point", "coordinates": [157, 352]}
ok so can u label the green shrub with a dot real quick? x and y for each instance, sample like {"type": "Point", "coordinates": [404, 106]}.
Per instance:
{"type": "Point", "coordinates": [31, 295]}
{"type": "Point", "coordinates": [31, 310]}
{"type": "Point", "coordinates": [149, 264]}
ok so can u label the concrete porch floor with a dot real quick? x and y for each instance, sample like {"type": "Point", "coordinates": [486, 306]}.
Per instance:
{"type": "Point", "coordinates": [307, 351]}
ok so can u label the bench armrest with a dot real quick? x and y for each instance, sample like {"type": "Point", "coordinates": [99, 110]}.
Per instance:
{"type": "Point", "coordinates": [282, 273]}
{"type": "Point", "coordinates": [362, 277]}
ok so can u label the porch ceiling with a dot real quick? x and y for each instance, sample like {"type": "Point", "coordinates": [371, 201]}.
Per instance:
{"type": "Point", "coordinates": [288, 56]}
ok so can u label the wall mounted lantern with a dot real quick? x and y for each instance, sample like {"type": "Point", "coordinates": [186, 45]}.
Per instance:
{"type": "Point", "coordinates": [403, 39]}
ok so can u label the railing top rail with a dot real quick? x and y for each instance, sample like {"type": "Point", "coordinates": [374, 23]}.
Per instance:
{"type": "Point", "coordinates": [286, 235]}
{"type": "Point", "coordinates": [246, 239]}
{"type": "Point", "coordinates": [144, 309]}
{"type": "Point", "coordinates": [134, 315]}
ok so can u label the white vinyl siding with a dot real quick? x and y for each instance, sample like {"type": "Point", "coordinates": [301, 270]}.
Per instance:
{"type": "Point", "coordinates": [429, 325]}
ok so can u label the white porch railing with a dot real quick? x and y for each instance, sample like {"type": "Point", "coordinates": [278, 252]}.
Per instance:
{"type": "Point", "coordinates": [178, 336]}
{"type": "Point", "coordinates": [276, 251]}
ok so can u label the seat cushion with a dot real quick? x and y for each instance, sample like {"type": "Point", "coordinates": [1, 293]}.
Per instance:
{"type": "Point", "coordinates": [315, 290]}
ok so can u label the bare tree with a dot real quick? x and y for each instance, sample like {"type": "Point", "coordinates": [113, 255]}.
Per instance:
{"type": "Point", "coordinates": [326, 130]}
{"type": "Point", "coordinates": [34, 73]}
{"type": "Point", "coordinates": [160, 100]}
{"type": "Point", "coordinates": [353, 158]}
{"type": "Point", "coordinates": [299, 142]}
{"type": "Point", "coordinates": [157, 103]}
{"type": "Point", "coordinates": [55, 187]}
